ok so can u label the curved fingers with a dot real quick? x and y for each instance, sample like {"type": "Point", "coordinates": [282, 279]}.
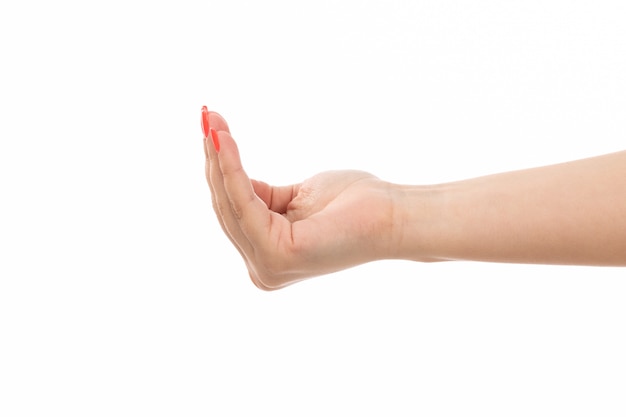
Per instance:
{"type": "Point", "coordinates": [247, 210]}
{"type": "Point", "coordinates": [243, 208]}
{"type": "Point", "coordinates": [230, 228]}
{"type": "Point", "coordinates": [214, 182]}
{"type": "Point", "coordinates": [268, 233]}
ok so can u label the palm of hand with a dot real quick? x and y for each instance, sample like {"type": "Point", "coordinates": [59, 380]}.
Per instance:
{"type": "Point", "coordinates": [322, 225]}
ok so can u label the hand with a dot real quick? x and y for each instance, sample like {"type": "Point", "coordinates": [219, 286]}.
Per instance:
{"type": "Point", "coordinates": [329, 222]}
{"type": "Point", "coordinates": [568, 213]}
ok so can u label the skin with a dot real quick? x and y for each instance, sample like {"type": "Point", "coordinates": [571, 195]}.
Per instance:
{"type": "Point", "coordinates": [570, 213]}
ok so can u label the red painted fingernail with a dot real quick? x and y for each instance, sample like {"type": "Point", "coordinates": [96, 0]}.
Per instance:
{"type": "Point", "coordinates": [205, 121]}
{"type": "Point", "coordinates": [216, 139]}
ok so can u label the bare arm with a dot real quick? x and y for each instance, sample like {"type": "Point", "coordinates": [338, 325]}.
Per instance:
{"type": "Point", "coordinates": [569, 213]}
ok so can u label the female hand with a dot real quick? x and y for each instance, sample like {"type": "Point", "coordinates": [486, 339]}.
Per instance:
{"type": "Point", "coordinates": [568, 213]}
{"type": "Point", "coordinates": [329, 222]}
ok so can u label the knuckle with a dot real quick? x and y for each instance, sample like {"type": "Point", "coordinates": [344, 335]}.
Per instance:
{"type": "Point", "coordinates": [236, 209]}
{"type": "Point", "coordinates": [218, 207]}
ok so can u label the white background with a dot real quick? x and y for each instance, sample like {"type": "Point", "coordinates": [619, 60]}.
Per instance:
{"type": "Point", "coordinates": [119, 293]}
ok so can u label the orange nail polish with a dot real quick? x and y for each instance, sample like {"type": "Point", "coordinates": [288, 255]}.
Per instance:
{"type": "Point", "coordinates": [216, 140]}
{"type": "Point", "coordinates": [205, 121]}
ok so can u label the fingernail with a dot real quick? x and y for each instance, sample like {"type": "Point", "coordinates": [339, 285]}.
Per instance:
{"type": "Point", "coordinates": [216, 139]}
{"type": "Point", "coordinates": [204, 121]}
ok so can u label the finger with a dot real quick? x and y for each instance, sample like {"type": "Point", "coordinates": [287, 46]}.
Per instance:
{"type": "Point", "coordinates": [216, 187]}
{"type": "Point", "coordinates": [248, 211]}
{"type": "Point", "coordinates": [217, 122]}
{"type": "Point", "coordinates": [232, 235]}
{"type": "Point", "coordinates": [221, 204]}
{"type": "Point", "coordinates": [275, 198]}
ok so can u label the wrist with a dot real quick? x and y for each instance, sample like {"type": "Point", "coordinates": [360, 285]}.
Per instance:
{"type": "Point", "coordinates": [418, 232]}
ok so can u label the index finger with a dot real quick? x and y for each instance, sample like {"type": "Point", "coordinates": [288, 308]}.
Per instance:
{"type": "Point", "coordinates": [251, 213]}
{"type": "Point", "coordinates": [217, 122]}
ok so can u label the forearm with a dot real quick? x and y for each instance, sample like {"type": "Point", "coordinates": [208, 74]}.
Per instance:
{"type": "Point", "coordinates": [570, 213]}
